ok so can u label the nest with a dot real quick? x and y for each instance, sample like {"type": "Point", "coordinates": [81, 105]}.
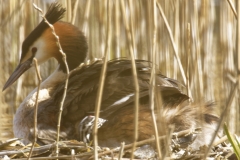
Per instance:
{"type": "Point", "coordinates": [72, 149]}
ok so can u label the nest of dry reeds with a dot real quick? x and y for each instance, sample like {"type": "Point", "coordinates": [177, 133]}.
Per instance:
{"type": "Point", "coordinates": [195, 42]}
{"type": "Point", "coordinates": [73, 149]}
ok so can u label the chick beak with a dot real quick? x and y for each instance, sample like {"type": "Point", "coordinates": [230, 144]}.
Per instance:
{"type": "Point", "coordinates": [21, 68]}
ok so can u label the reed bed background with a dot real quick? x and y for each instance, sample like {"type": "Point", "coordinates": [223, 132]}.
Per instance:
{"type": "Point", "coordinates": [204, 32]}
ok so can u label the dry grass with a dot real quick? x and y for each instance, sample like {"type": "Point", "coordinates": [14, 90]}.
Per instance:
{"type": "Point", "coordinates": [209, 44]}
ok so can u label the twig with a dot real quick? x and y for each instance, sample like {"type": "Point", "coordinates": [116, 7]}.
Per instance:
{"type": "Point", "coordinates": [102, 80]}
{"type": "Point", "coordinates": [67, 74]}
{"type": "Point", "coordinates": [153, 78]}
{"type": "Point", "coordinates": [60, 157]}
{"type": "Point", "coordinates": [233, 8]}
{"type": "Point", "coordinates": [21, 152]}
{"type": "Point", "coordinates": [73, 154]}
{"type": "Point", "coordinates": [188, 61]}
{"type": "Point", "coordinates": [223, 139]}
{"type": "Point", "coordinates": [238, 64]}
{"type": "Point", "coordinates": [121, 150]}
{"type": "Point", "coordinates": [172, 41]}
{"type": "Point", "coordinates": [223, 115]}
{"type": "Point", "coordinates": [44, 149]}
{"type": "Point", "coordinates": [185, 133]}
{"type": "Point", "coordinates": [36, 106]}
{"type": "Point", "coordinates": [130, 40]}
{"type": "Point", "coordinates": [169, 139]}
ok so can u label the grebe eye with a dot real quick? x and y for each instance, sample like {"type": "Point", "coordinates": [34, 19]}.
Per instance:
{"type": "Point", "coordinates": [34, 50]}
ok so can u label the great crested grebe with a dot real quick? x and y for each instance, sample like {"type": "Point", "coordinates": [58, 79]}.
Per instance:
{"type": "Point", "coordinates": [118, 94]}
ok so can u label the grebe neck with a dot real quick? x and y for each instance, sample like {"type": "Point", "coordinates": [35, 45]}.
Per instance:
{"type": "Point", "coordinates": [23, 119]}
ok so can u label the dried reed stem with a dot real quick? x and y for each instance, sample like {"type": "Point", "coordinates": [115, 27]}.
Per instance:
{"type": "Point", "coordinates": [153, 78]}
{"type": "Point", "coordinates": [9, 17]}
{"type": "Point", "coordinates": [86, 15]}
{"type": "Point", "coordinates": [197, 41]}
{"type": "Point", "coordinates": [85, 22]}
{"type": "Point", "coordinates": [102, 80]}
{"type": "Point", "coordinates": [223, 139]}
{"type": "Point", "coordinates": [121, 150]}
{"type": "Point", "coordinates": [188, 61]}
{"type": "Point", "coordinates": [36, 107]}
{"type": "Point", "coordinates": [223, 115]}
{"type": "Point", "coordinates": [74, 12]}
{"type": "Point", "coordinates": [67, 74]}
{"type": "Point", "coordinates": [117, 30]}
{"type": "Point", "coordinates": [172, 41]}
{"type": "Point", "coordinates": [233, 8]}
{"type": "Point", "coordinates": [131, 45]}
{"type": "Point", "coordinates": [238, 64]}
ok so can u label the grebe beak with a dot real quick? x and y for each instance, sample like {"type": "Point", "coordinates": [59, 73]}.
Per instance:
{"type": "Point", "coordinates": [21, 68]}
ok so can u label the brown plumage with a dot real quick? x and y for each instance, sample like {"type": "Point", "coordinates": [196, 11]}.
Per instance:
{"type": "Point", "coordinates": [118, 94]}
{"type": "Point", "coordinates": [120, 126]}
